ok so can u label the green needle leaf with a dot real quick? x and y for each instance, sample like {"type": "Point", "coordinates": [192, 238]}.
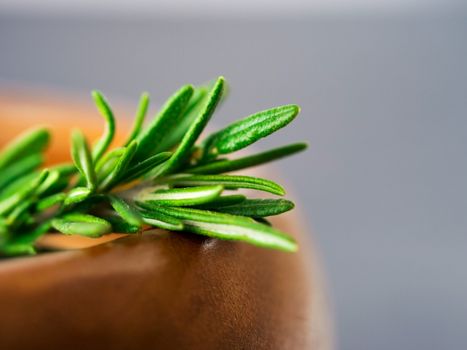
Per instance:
{"type": "Point", "coordinates": [224, 166]}
{"type": "Point", "coordinates": [161, 220]}
{"type": "Point", "coordinates": [19, 212]}
{"type": "Point", "coordinates": [65, 172]}
{"type": "Point", "coordinates": [120, 167]}
{"type": "Point", "coordinates": [13, 249]}
{"type": "Point", "coordinates": [50, 201]}
{"type": "Point", "coordinates": [59, 186]}
{"type": "Point", "coordinates": [17, 185]}
{"type": "Point", "coordinates": [82, 224]}
{"type": "Point", "coordinates": [225, 226]}
{"type": "Point", "coordinates": [121, 226]}
{"type": "Point", "coordinates": [228, 181]}
{"type": "Point", "coordinates": [258, 208]}
{"type": "Point", "coordinates": [4, 231]}
{"type": "Point", "coordinates": [223, 201]}
{"type": "Point", "coordinates": [139, 119]}
{"type": "Point", "coordinates": [106, 164]}
{"type": "Point", "coordinates": [162, 124]}
{"type": "Point", "coordinates": [182, 196]}
{"type": "Point", "coordinates": [82, 158]}
{"type": "Point", "coordinates": [26, 191]}
{"type": "Point", "coordinates": [109, 132]}
{"type": "Point", "coordinates": [30, 235]}
{"type": "Point", "coordinates": [30, 142]}
{"type": "Point", "coordinates": [140, 169]}
{"type": "Point", "coordinates": [21, 167]}
{"type": "Point", "coordinates": [49, 182]}
{"type": "Point", "coordinates": [125, 210]}
{"type": "Point", "coordinates": [185, 148]}
{"type": "Point", "coordinates": [179, 129]}
{"type": "Point", "coordinates": [263, 221]}
{"type": "Point", "coordinates": [65, 169]}
{"type": "Point", "coordinates": [249, 130]}
{"type": "Point", "coordinates": [77, 195]}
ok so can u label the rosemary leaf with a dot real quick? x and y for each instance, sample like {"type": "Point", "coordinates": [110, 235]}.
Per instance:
{"type": "Point", "coordinates": [185, 148]}
{"type": "Point", "coordinates": [30, 142]}
{"type": "Point", "coordinates": [107, 163]}
{"type": "Point", "coordinates": [139, 119]}
{"type": "Point", "coordinates": [160, 220]}
{"type": "Point", "coordinates": [140, 169]}
{"type": "Point", "coordinates": [6, 205]}
{"type": "Point", "coordinates": [179, 129]}
{"type": "Point", "coordinates": [60, 185]}
{"type": "Point", "coordinates": [17, 185]}
{"type": "Point", "coordinates": [19, 213]}
{"type": "Point", "coordinates": [225, 226]}
{"type": "Point", "coordinates": [121, 226]}
{"type": "Point", "coordinates": [223, 201]}
{"type": "Point", "coordinates": [263, 221]}
{"type": "Point", "coordinates": [126, 211]}
{"type": "Point", "coordinates": [29, 235]}
{"type": "Point", "coordinates": [49, 182]}
{"type": "Point", "coordinates": [13, 249]}
{"type": "Point", "coordinates": [4, 231]}
{"type": "Point", "coordinates": [120, 167]}
{"type": "Point", "coordinates": [65, 169]}
{"type": "Point", "coordinates": [104, 109]}
{"type": "Point", "coordinates": [258, 207]}
{"type": "Point", "coordinates": [228, 181]}
{"type": "Point", "coordinates": [21, 167]}
{"type": "Point", "coordinates": [162, 124]}
{"type": "Point", "coordinates": [182, 196]}
{"type": "Point", "coordinates": [249, 130]}
{"type": "Point", "coordinates": [48, 202]}
{"type": "Point", "coordinates": [82, 158]}
{"type": "Point", "coordinates": [82, 224]}
{"type": "Point", "coordinates": [77, 195]}
{"type": "Point", "coordinates": [225, 165]}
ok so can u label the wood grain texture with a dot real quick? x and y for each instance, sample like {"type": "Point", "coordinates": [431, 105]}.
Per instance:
{"type": "Point", "coordinates": [159, 290]}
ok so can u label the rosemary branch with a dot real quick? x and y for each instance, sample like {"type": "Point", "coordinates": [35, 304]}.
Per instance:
{"type": "Point", "coordinates": [172, 180]}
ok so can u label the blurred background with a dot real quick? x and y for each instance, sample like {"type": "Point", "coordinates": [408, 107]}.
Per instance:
{"type": "Point", "coordinates": [383, 90]}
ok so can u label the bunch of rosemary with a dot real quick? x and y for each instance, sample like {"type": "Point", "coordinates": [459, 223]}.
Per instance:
{"type": "Point", "coordinates": [161, 177]}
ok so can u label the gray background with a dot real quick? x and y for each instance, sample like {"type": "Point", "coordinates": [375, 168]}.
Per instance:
{"type": "Point", "coordinates": [384, 106]}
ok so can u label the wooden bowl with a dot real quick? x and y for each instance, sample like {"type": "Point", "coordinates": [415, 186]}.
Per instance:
{"type": "Point", "coordinates": [160, 290]}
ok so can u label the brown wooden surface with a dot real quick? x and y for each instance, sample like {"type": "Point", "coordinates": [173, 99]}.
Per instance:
{"type": "Point", "coordinates": [159, 290]}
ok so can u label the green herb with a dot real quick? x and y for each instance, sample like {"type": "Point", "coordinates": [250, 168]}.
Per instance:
{"type": "Point", "coordinates": [163, 122]}
{"type": "Point", "coordinates": [224, 201]}
{"type": "Point", "coordinates": [29, 143]}
{"type": "Point", "coordinates": [121, 166]}
{"type": "Point", "coordinates": [226, 165]}
{"type": "Point", "coordinates": [82, 224]}
{"type": "Point", "coordinates": [139, 119]}
{"type": "Point", "coordinates": [227, 226]}
{"type": "Point", "coordinates": [162, 176]}
{"type": "Point", "coordinates": [258, 208]}
{"type": "Point", "coordinates": [182, 196]}
{"type": "Point", "coordinates": [154, 218]}
{"type": "Point", "coordinates": [106, 139]}
{"type": "Point", "coordinates": [82, 158]}
{"type": "Point", "coordinates": [249, 130]}
{"type": "Point", "coordinates": [231, 182]}
{"type": "Point", "coordinates": [185, 149]}
{"type": "Point", "coordinates": [75, 196]}
{"type": "Point", "coordinates": [126, 211]}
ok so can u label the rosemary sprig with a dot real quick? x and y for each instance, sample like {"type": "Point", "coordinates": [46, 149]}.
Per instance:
{"type": "Point", "coordinates": [162, 176]}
